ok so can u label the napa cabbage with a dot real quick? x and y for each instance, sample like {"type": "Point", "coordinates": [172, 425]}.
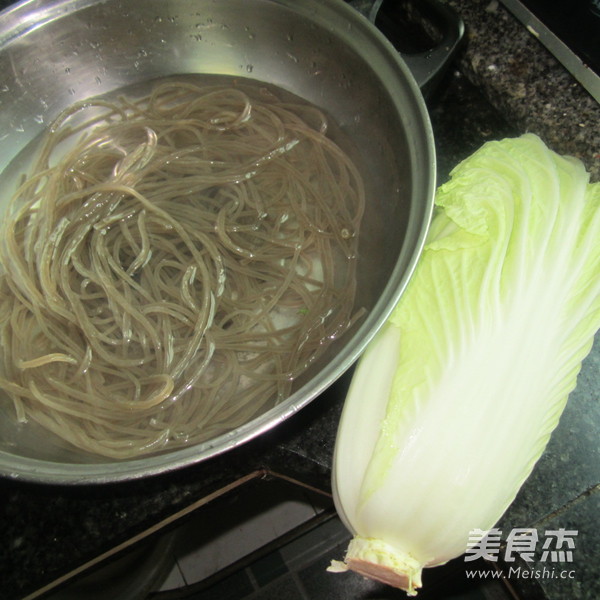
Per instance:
{"type": "Point", "coordinates": [455, 399]}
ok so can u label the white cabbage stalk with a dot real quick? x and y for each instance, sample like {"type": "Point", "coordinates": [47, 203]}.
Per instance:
{"type": "Point", "coordinates": [454, 401]}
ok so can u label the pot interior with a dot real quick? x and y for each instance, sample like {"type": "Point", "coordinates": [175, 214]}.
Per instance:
{"type": "Point", "coordinates": [55, 53]}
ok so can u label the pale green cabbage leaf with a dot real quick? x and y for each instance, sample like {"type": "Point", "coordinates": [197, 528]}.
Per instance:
{"type": "Point", "coordinates": [455, 399]}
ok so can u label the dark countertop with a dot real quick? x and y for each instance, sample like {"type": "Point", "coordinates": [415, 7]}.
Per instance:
{"type": "Point", "coordinates": [503, 82]}
{"type": "Point", "coordinates": [526, 83]}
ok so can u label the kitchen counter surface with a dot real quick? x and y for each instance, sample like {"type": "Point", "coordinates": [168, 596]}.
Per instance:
{"type": "Point", "coordinates": [526, 83]}
{"type": "Point", "coordinates": [501, 83]}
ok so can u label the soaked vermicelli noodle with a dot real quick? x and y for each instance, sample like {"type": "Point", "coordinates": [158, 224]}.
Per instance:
{"type": "Point", "coordinates": [172, 264]}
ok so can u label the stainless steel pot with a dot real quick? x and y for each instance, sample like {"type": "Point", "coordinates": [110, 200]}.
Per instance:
{"type": "Point", "coordinates": [54, 52]}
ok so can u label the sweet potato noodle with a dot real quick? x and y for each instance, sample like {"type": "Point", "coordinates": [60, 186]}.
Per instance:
{"type": "Point", "coordinates": [172, 264]}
